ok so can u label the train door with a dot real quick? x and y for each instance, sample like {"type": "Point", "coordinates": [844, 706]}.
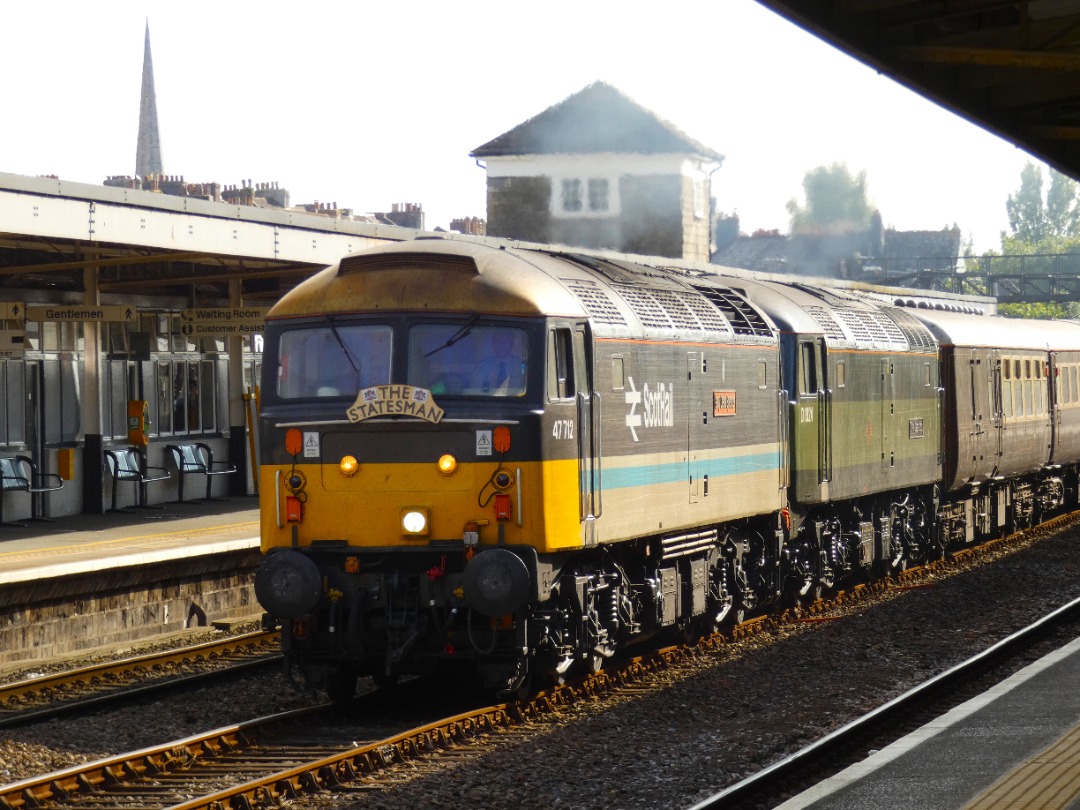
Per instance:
{"type": "Point", "coordinates": [979, 399]}
{"type": "Point", "coordinates": [588, 435]}
{"type": "Point", "coordinates": [693, 417]}
{"type": "Point", "coordinates": [997, 410]}
{"type": "Point", "coordinates": [886, 433]}
{"type": "Point", "coordinates": [810, 433]}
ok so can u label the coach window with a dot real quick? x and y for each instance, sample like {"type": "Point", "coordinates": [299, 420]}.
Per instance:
{"type": "Point", "coordinates": [841, 374]}
{"type": "Point", "coordinates": [762, 375]}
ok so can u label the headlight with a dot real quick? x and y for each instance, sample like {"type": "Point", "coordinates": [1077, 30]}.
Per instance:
{"type": "Point", "coordinates": [348, 465]}
{"type": "Point", "coordinates": [414, 521]}
{"type": "Point", "coordinates": [447, 464]}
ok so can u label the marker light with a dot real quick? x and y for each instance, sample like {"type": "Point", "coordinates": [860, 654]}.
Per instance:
{"type": "Point", "coordinates": [414, 521]}
{"type": "Point", "coordinates": [349, 465]}
{"type": "Point", "coordinates": [294, 441]}
{"type": "Point", "coordinates": [447, 464]}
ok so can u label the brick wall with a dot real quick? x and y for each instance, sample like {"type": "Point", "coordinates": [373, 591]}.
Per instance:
{"type": "Point", "coordinates": [652, 215]}
{"type": "Point", "coordinates": [696, 230]}
{"type": "Point", "coordinates": [519, 208]}
{"type": "Point", "coordinates": [120, 608]}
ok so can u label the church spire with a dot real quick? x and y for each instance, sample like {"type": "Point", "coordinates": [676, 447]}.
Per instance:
{"type": "Point", "coordinates": [148, 153]}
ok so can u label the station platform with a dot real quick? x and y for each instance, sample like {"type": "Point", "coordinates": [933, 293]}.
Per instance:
{"type": "Point", "coordinates": [89, 584]}
{"type": "Point", "coordinates": [82, 544]}
{"type": "Point", "coordinates": [1016, 746]}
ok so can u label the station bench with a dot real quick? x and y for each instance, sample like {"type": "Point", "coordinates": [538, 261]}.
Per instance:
{"type": "Point", "coordinates": [129, 465]}
{"type": "Point", "coordinates": [197, 459]}
{"type": "Point", "coordinates": [20, 474]}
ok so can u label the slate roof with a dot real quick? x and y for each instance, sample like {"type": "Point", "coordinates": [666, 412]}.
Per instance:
{"type": "Point", "coordinates": [821, 254]}
{"type": "Point", "coordinates": [596, 119]}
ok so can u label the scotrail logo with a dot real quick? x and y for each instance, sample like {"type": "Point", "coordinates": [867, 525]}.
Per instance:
{"type": "Point", "coordinates": [658, 408]}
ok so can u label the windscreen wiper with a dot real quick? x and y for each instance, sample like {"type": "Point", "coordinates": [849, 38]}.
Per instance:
{"type": "Point", "coordinates": [460, 334]}
{"type": "Point", "coordinates": [348, 353]}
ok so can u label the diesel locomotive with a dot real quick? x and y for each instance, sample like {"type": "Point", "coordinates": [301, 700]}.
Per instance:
{"type": "Point", "coordinates": [515, 461]}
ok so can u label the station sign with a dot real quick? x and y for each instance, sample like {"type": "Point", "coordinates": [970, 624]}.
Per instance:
{"type": "Point", "coordinates": [12, 342]}
{"type": "Point", "coordinates": [222, 321]}
{"type": "Point", "coordinates": [82, 312]}
{"type": "Point", "coordinates": [12, 311]}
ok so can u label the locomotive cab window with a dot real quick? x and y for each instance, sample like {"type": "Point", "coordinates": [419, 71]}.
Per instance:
{"type": "Point", "coordinates": [560, 365]}
{"type": "Point", "coordinates": [469, 360]}
{"type": "Point", "coordinates": [333, 360]}
{"type": "Point", "coordinates": [808, 369]}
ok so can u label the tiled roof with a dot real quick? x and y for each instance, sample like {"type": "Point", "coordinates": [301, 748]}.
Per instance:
{"type": "Point", "coordinates": [596, 119]}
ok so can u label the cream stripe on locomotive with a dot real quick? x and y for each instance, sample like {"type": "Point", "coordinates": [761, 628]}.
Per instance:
{"type": "Point", "coordinates": [661, 492]}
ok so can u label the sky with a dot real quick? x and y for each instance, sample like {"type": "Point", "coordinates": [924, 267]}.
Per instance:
{"type": "Point", "coordinates": [370, 104]}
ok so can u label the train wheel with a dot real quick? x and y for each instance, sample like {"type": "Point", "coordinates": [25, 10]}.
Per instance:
{"type": "Point", "coordinates": [341, 687]}
{"type": "Point", "coordinates": [384, 681]}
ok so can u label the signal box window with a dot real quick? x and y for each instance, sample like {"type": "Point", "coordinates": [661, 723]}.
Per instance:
{"type": "Point", "coordinates": [571, 195]}
{"type": "Point", "coordinates": [334, 361]}
{"type": "Point", "coordinates": [455, 358]}
{"type": "Point", "coordinates": [598, 194]}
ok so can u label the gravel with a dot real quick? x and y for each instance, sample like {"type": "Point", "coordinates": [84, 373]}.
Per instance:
{"type": "Point", "coordinates": [707, 724]}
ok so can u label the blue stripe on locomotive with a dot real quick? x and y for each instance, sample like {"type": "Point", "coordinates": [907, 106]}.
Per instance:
{"type": "Point", "coordinates": [649, 474]}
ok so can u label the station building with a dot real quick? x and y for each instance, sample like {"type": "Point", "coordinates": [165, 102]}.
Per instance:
{"type": "Point", "coordinates": [129, 317]}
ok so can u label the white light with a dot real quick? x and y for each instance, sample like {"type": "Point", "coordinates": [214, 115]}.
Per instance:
{"type": "Point", "coordinates": [414, 522]}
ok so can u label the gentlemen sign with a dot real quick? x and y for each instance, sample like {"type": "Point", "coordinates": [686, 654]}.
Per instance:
{"type": "Point", "coordinates": [76, 312]}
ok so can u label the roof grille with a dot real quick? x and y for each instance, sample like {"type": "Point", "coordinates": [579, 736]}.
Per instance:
{"type": "Point", "coordinates": [595, 300]}
{"type": "Point", "coordinates": [870, 326]}
{"type": "Point", "coordinates": [645, 305]}
{"type": "Point", "coordinates": [363, 263]}
{"type": "Point", "coordinates": [744, 319]}
{"type": "Point", "coordinates": [918, 336]}
{"type": "Point", "coordinates": [681, 310]}
{"type": "Point", "coordinates": [827, 322]}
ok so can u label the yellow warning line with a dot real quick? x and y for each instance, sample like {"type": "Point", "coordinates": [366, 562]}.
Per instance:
{"type": "Point", "coordinates": [88, 545]}
{"type": "Point", "coordinates": [1050, 780]}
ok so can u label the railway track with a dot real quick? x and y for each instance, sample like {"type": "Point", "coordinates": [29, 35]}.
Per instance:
{"type": "Point", "coordinates": [265, 763]}
{"type": "Point", "coordinates": [56, 693]}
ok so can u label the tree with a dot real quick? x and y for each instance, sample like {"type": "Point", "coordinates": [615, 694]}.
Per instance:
{"type": "Point", "coordinates": [1034, 220]}
{"type": "Point", "coordinates": [836, 202]}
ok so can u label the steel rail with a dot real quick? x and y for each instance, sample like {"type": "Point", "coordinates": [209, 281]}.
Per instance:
{"type": "Point", "coordinates": [75, 689]}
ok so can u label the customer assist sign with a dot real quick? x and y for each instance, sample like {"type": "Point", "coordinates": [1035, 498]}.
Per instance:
{"type": "Point", "coordinates": [222, 321]}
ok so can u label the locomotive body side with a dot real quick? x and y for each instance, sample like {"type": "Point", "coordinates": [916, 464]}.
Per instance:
{"type": "Point", "coordinates": [863, 391]}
